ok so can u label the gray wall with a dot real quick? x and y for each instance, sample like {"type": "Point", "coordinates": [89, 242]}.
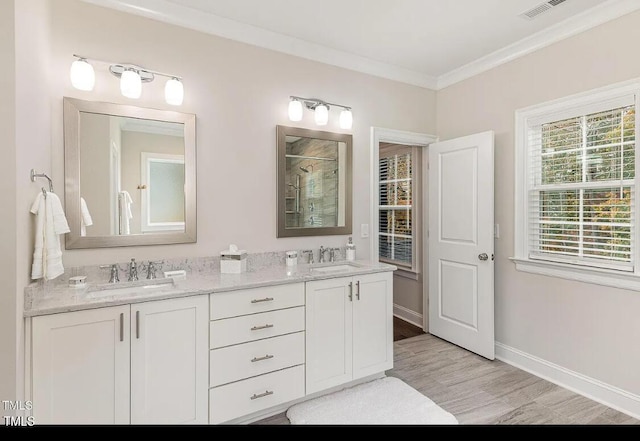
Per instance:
{"type": "Point", "coordinates": [240, 93]}
{"type": "Point", "coordinates": [30, 149]}
{"type": "Point", "coordinates": [593, 330]}
{"type": "Point", "coordinates": [8, 274]}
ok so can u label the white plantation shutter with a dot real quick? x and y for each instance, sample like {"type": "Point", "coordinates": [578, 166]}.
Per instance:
{"type": "Point", "coordinates": [581, 185]}
{"type": "Point", "coordinates": [396, 233]}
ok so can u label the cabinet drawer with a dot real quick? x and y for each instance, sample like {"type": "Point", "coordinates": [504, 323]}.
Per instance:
{"type": "Point", "coordinates": [250, 301]}
{"type": "Point", "coordinates": [248, 396]}
{"type": "Point", "coordinates": [247, 328]}
{"type": "Point", "coordinates": [238, 362]}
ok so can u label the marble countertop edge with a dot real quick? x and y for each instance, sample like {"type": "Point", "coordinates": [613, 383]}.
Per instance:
{"type": "Point", "coordinates": [65, 299]}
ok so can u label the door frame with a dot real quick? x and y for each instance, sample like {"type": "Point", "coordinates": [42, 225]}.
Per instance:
{"type": "Point", "coordinates": [378, 135]}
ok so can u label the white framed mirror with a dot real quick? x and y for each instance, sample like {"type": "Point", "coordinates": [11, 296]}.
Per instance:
{"type": "Point", "coordinates": [130, 175]}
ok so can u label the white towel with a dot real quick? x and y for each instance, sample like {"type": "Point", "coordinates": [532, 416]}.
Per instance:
{"type": "Point", "coordinates": [126, 215]}
{"type": "Point", "coordinates": [85, 217]}
{"type": "Point", "coordinates": [50, 223]}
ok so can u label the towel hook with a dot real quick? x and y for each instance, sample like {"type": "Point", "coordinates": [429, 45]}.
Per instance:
{"type": "Point", "coordinates": [35, 175]}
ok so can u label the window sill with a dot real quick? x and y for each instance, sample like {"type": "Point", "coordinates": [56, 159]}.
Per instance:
{"type": "Point", "coordinates": [406, 273]}
{"type": "Point", "coordinates": [615, 279]}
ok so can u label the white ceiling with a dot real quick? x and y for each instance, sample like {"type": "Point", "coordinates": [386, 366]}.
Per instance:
{"type": "Point", "coordinates": [431, 43]}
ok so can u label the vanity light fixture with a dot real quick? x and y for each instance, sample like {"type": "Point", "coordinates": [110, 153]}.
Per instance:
{"type": "Point", "coordinates": [83, 77]}
{"type": "Point", "coordinates": [131, 79]}
{"type": "Point", "coordinates": [320, 109]}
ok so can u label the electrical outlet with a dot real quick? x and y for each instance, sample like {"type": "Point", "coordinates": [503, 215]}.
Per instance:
{"type": "Point", "coordinates": [364, 230]}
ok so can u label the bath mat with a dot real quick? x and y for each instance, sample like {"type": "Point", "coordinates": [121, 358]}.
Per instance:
{"type": "Point", "coordinates": [384, 401]}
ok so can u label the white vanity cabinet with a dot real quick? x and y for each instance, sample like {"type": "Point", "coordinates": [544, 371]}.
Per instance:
{"type": "Point", "coordinates": [349, 329]}
{"type": "Point", "coordinates": [144, 363]}
{"type": "Point", "coordinates": [80, 367]}
{"type": "Point", "coordinates": [257, 350]}
{"type": "Point", "coordinates": [169, 366]}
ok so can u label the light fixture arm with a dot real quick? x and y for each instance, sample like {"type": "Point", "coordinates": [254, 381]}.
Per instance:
{"type": "Point", "coordinates": [312, 103]}
{"type": "Point", "coordinates": [129, 66]}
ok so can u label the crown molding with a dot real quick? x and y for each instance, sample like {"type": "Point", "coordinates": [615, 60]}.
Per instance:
{"type": "Point", "coordinates": [172, 13]}
{"type": "Point", "coordinates": [178, 15]}
{"type": "Point", "coordinates": [588, 19]}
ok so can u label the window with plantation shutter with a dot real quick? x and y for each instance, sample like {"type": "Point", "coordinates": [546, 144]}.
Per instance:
{"type": "Point", "coordinates": [397, 204]}
{"type": "Point", "coordinates": [577, 165]}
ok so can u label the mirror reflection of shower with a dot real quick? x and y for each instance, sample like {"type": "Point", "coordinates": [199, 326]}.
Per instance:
{"type": "Point", "coordinates": [312, 182]}
{"type": "Point", "coordinates": [296, 187]}
{"type": "Point", "coordinates": [306, 169]}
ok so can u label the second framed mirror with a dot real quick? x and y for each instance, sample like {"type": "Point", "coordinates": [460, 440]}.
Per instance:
{"type": "Point", "coordinates": [314, 182]}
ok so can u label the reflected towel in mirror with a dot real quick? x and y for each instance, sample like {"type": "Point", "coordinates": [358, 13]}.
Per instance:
{"type": "Point", "coordinates": [124, 206]}
{"type": "Point", "coordinates": [85, 217]}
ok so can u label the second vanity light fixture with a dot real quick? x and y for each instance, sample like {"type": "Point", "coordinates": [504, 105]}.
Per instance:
{"type": "Point", "coordinates": [321, 111]}
{"type": "Point", "coordinates": [131, 76]}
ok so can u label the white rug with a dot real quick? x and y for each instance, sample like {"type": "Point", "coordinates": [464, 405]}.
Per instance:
{"type": "Point", "coordinates": [384, 401]}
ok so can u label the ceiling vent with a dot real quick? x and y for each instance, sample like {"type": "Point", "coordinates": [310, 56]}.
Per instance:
{"type": "Point", "coordinates": [540, 9]}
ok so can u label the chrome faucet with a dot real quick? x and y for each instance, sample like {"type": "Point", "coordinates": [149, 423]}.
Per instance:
{"type": "Point", "coordinates": [322, 251]}
{"type": "Point", "coordinates": [114, 272]}
{"type": "Point", "coordinates": [310, 254]}
{"type": "Point", "coordinates": [133, 271]}
{"type": "Point", "coordinates": [332, 254]}
{"type": "Point", "coordinates": [151, 269]}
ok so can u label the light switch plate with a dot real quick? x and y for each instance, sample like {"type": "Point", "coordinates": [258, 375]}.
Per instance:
{"type": "Point", "coordinates": [364, 230]}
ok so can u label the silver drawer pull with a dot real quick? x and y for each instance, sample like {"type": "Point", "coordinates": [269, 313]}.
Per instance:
{"type": "Point", "coordinates": [266, 299]}
{"type": "Point", "coordinates": [265, 394]}
{"type": "Point", "coordinates": [266, 357]}
{"type": "Point", "coordinates": [256, 328]}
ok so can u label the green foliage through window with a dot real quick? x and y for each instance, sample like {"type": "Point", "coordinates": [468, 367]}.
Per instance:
{"type": "Point", "coordinates": [583, 186]}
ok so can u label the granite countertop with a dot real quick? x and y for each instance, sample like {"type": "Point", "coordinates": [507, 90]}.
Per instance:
{"type": "Point", "coordinates": [63, 298]}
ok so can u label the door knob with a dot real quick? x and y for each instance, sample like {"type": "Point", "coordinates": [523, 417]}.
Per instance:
{"type": "Point", "coordinates": [483, 256]}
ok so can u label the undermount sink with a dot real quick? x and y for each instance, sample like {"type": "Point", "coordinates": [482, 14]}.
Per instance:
{"type": "Point", "coordinates": [333, 268]}
{"type": "Point", "coordinates": [128, 288]}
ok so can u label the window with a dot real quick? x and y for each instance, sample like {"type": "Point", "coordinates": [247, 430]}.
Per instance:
{"type": "Point", "coordinates": [397, 210]}
{"type": "Point", "coordinates": [576, 182]}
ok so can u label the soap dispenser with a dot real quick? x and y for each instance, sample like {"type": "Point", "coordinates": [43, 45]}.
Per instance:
{"type": "Point", "coordinates": [351, 250]}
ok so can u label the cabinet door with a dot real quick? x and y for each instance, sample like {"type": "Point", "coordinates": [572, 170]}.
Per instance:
{"type": "Point", "coordinates": [80, 367]}
{"type": "Point", "coordinates": [169, 361]}
{"type": "Point", "coordinates": [329, 340]}
{"type": "Point", "coordinates": [372, 324]}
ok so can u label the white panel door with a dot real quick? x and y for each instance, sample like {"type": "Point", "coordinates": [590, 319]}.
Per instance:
{"type": "Point", "coordinates": [372, 324]}
{"type": "Point", "coordinates": [461, 308]}
{"type": "Point", "coordinates": [80, 367]}
{"type": "Point", "coordinates": [328, 333]}
{"type": "Point", "coordinates": [169, 361]}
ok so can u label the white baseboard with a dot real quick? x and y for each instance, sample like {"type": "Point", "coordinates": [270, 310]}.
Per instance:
{"type": "Point", "coordinates": [407, 315]}
{"type": "Point", "coordinates": [596, 390]}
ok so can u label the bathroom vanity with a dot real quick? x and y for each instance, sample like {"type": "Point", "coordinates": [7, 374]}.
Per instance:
{"type": "Point", "coordinates": [214, 348]}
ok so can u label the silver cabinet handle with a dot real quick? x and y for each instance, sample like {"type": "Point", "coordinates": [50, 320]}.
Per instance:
{"type": "Point", "coordinates": [358, 291]}
{"type": "Point", "coordinates": [256, 328]}
{"type": "Point", "coordinates": [266, 357]}
{"type": "Point", "coordinates": [122, 326]}
{"type": "Point", "coordinates": [265, 394]}
{"type": "Point", "coordinates": [137, 324]}
{"type": "Point", "coordinates": [351, 291]}
{"type": "Point", "coordinates": [266, 299]}
{"type": "Point", "coordinates": [483, 256]}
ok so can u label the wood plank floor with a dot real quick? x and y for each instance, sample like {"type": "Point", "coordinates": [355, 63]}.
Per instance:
{"type": "Point", "coordinates": [479, 391]}
{"type": "Point", "coordinates": [402, 329]}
